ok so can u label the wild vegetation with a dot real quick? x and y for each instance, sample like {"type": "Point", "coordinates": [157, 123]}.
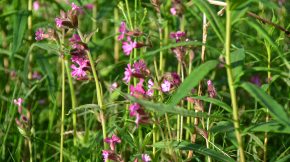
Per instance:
{"type": "Point", "coordinates": [144, 80]}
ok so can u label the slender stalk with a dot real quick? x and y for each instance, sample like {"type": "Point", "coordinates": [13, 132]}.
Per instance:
{"type": "Point", "coordinates": [62, 108]}
{"type": "Point", "coordinates": [116, 43]}
{"type": "Point", "coordinates": [30, 149]}
{"type": "Point", "coordinates": [99, 96]}
{"type": "Point", "coordinates": [73, 101]}
{"type": "Point", "coordinates": [129, 15]}
{"type": "Point", "coordinates": [241, 156]}
{"type": "Point", "coordinates": [269, 92]}
{"type": "Point", "coordinates": [207, 128]}
{"type": "Point", "coordinates": [29, 20]}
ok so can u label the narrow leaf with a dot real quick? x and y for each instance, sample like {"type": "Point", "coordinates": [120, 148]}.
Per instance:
{"type": "Point", "coordinates": [184, 145]}
{"type": "Point", "coordinates": [192, 80]}
{"type": "Point", "coordinates": [275, 109]}
{"type": "Point", "coordinates": [269, 127]}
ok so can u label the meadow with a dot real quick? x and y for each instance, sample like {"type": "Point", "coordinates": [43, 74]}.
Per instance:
{"type": "Point", "coordinates": [145, 80]}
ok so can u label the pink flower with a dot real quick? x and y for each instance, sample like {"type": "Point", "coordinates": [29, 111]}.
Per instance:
{"type": "Point", "coordinates": [36, 75]}
{"type": "Point", "coordinates": [75, 38]}
{"type": "Point", "coordinates": [35, 5]}
{"type": "Point", "coordinates": [176, 79]}
{"type": "Point", "coordinates": [114, 86]}
{"type": "Point", "coordinates": [256, 80]}
{"type": "Point", "coordinates": [122, 30]}
{"type": "Point", "coordinates": [110, 155]}
{"type": "Point", "coordinates": [165, 86]}
{"type": "Point", "coordinates": [58, 22]}
{"type": "Point", "coordinates": [112, 141]}
{"type": "Point", "coordinates": [173, 11]}
{"type": "Point", "coordinates": [150, 83]}
{"type": "Point", "coordinates": [150, 92]}
{"type": "Point", "coordinates": [74, 6]}
{"type": "Point", "coordinates": [80, 71]}
{"type": "Point", "coordinates": [177, 36]}
{"type": "Point", "coordinates": [39, 34]}
{"type": "Point", "coordinates": [127, 73]}
{"type": "Point", "coordinates": [146, 158]}
{"type": "Point", "coordinates": [128, 46]}
{"type": "Point", "coordinates": [89, 6]}
{"type": "Point", "coordinates": [138, 90]}
{"type": "Point", "coordinates": [133, 109]}
{"type": "Point", "coordinates": [18, 101]}
{"type": "Point", "coordinates": [211, 89]}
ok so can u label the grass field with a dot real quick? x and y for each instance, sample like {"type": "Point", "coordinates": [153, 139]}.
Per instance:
{"type": "Point", "coordinates": [145, 80]}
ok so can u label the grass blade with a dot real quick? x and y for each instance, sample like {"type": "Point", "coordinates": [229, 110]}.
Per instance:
{"type": "Point", "coordinates": [275, 109]}
{"type": "Point", "coordinates": [192, 80]}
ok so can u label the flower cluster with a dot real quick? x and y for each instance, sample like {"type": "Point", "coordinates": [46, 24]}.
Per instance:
{"type": "Point", "coordinates": [79, 58]}
{"type": "Point", "coordinates": [170, 81]}
{"type": "Point", "coordinates": [111, 154]}
{"type": "Point", "coordinates": [128, 45]}
{"type": "Point", "coordinates": [23, 121]}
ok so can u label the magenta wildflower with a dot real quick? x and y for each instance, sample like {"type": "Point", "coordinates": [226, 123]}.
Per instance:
{"type": "Point", "coordinates": [113, 86]}
{"type": "Point", "coordinates": [128, 46]}
{"type": "Point", "coordinates": [133, 109]}
{"type": "Point", "coordinates": [18, 101]}
{"type": "Point", "coordinates": [39, 34]}
{"type": "Point", "coordinates": [138, 90]}
{"type": "Point", "coordinates": [74, 6]}
{"type": "Point", "coordinates": [177, 36]}
{"type": "Point", "coordinates": [127, 73]}
{"type": "Point", "coordinates": [256, 80]}
{"type": "Point", "coordinates": [35, 5]}
{"type": "Point", "coordinates": [150, 91]}
{"type": "Point", "coordinates": [176, 79]}
{"type": "Point", "coordinates": [122, 30]}
{"type": "Point", "coordinates": [211, 89]}
{"type": "Point", "coordinates": [89, 6]}
{"type": "Point", "coordinates": [146, 158]}
{"type": "Point", "coordinates": [80, 71]}
{"type": "Point", "coordinates": [36, 75]}
{"type": "Point", "coordinates": [112, 141]}
{"type": "Point", "coordinates": [165, 86]}
{"type": "Point", "coordinates": [75, 38]}
{"type": "Point", "coordinates": [173, 11]}
{"type": "Point", "coordinates": [110, 155]}
{"type": "Point", "coordinates": [58, 22]}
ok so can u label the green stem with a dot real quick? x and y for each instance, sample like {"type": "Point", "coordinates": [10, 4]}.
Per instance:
{"type": "Point", "coordinates": [99, 96]}
{"type": "Point", "coordinates": [30, 149]}
{"type": "Point", "coordinates": [62, 108]}
{"type": "Point", "coordinates": [73, 101]}
{"type": "Point", "coordinates": [241, 157]}
{"type": "Point", "coordinates": [128, 13]}
{"type": "Point", "coordinates": [269, 92]}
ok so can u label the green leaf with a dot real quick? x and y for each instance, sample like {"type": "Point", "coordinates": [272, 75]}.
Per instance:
{"type": "Point", "coordinates": [215, 102]}
{"type": "Point", "coordinates": [237, 61]}
{"type": "Point", "coordinates": [275, 109]}
{"type": "Point", "coordinates": [268, 38]}
{"type": "Point", "coordinates": [222, 127]}
{"type": "Point", "coordinates": [184, 145]}
{"type": "Point", "coordinates": [192, 80]}
{"type": "Point", "coordinates": [272, 126]}
{"type": "Point", "coordinates": [19, 28]}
